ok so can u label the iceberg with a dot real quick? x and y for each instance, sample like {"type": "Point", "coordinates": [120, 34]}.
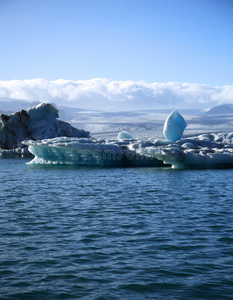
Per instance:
{"type": "Point", "coordinates": [213, 150]}
{"type": "Point", "coordinates": [88, 152]}
{"type": "Point", "coordinates": [174, 127]}
{"type": "Point", "coordinates": [38, 122]}
{"type": "Point", "coordinates": [206, 151]}
{"type": "Point", "coordinates": [124, 135]}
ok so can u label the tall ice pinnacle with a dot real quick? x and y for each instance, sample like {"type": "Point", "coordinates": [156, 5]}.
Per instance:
{"type": "Point", "coordinates": [174, 127]}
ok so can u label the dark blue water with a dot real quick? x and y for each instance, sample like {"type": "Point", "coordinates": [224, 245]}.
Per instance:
{"type": "Point", "coordinates": [115, 233]}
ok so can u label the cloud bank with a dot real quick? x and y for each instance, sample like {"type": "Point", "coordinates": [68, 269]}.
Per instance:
{"type": "Point", "coordinates": [106, 94]}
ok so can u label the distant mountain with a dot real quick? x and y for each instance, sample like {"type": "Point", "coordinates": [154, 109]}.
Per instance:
{"type": "Point", "coordinates": [224, 109]}
{"type": "Point", "coordinates": [9, 105]}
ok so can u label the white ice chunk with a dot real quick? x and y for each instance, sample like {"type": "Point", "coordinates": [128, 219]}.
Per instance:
{"type": "Point", "coordinates": [124, 135]}
{"type": "Point", "coordinates": [174, 127]}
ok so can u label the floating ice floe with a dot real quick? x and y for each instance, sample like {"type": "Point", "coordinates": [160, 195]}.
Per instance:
{"type": "Point", "coordinates": [174, 127]}
{"type": "Point", "coordinates": [88, 152]}
{"type": "Point", "coordinates": [214, 150]}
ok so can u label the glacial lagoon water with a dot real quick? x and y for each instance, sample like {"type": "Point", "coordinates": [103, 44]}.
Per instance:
{"type": "Point", "coordinates": [91, 233]}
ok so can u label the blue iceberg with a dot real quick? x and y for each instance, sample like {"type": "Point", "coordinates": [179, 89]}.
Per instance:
{"type": "Point", "coordinates": [88, 152]}
{"type": "Point", "coordinates": [124, 135]}
{"type": "Point", "coordinates": [174, 127]}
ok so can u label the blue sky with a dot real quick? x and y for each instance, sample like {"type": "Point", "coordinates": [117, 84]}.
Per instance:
{"type": "Point", "coordinates": [150, 40]}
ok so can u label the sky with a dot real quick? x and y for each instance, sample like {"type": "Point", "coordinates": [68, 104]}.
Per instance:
{"type": "Point", "coordinates": [102, 49]}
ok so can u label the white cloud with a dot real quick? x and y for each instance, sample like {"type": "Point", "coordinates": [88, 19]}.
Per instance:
{"type": "Point", "coordinates": [101, 93]}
